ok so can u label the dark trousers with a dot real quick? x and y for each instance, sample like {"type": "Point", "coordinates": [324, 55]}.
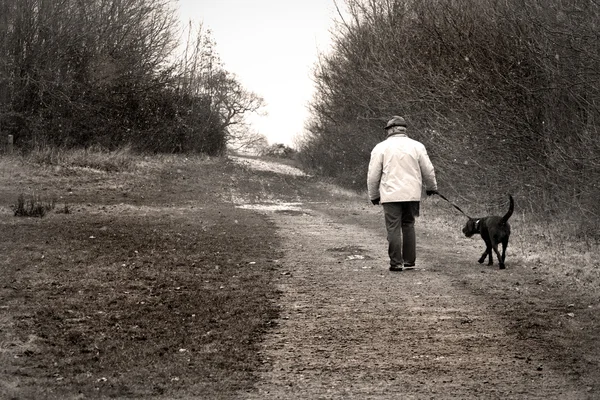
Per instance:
{"type": "Point", "coordinates": [400, 226]}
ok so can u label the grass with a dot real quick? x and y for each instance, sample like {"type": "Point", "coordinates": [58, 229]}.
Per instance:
{"type": "Point", "coordinates": [96, 158]}
{"type": "Point", "coordinates": [159, 288]}
{"type": "Point", "coordinates": [550, 244]}
{"type": "Point", "coordinates": [34, 206]}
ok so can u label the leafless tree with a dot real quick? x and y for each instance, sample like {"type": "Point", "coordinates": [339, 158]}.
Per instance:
{"type": "Point", "coordinates": [203, 74]}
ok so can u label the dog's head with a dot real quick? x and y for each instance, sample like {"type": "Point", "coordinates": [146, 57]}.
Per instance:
{"type": "Point", "coordinates": [471, 227]}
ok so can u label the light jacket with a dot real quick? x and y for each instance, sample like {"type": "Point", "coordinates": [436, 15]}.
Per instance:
{"type": "Point", "coordinates": [398, 168]}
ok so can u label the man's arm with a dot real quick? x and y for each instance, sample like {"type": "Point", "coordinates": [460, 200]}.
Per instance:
{"type": "Point", "coordinates": [427, 171]}
{"type": "Point", "coordinates": [374, 175]}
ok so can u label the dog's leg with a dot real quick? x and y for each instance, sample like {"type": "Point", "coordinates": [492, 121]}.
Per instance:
{"type": "Point", "coordinates": [488, 251]}
{"type": "Point", "coordinates": [490, 245]}
{"type": "Point", "coordinates": [483, 256]}
{"type": "Point", "coordinates": [500, 259]}
{"type": "Point", "coordinates": [504, 246]}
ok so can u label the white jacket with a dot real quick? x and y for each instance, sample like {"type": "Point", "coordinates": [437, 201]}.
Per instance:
{"type": "Point", "coordinates": [399, 165]}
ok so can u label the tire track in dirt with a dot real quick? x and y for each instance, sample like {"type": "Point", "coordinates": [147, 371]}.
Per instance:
{"type": "Point", "coordinates": [349, 328]}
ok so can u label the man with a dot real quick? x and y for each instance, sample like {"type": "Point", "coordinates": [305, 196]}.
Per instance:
{"type": "Point", "coordinates": [398, 168]}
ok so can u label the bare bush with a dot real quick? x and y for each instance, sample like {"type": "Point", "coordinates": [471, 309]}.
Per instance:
{"type": "Point", "coordinates": [503, 94]}
{"type": "Point", "coordinates": [76, 73]}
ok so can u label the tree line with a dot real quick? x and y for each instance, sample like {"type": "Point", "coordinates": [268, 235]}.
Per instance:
{"type": "Point", "coordinates": [113, 73]}
{"type": "Point", "coordinates": [504, 94]}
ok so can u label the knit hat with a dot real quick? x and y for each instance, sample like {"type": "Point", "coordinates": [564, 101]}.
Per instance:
{"type": "Point", "coordinates": [396, 121]}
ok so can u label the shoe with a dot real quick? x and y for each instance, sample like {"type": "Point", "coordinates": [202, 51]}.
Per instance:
{"type": "Point", "coordinates": [395, 268]}
{"type": "Point", "coordinates": [409, 265]}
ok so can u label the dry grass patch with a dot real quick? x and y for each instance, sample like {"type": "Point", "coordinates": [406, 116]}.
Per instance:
{"type": "Point", "coordinates": [96, 157]}
{"type": "Point", "coordinates": [32, 206]}
{"type": "Point", "coordinates": [554, 246]}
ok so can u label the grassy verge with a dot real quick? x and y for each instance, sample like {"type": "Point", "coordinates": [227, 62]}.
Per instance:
{"type": "Point", "coordinates": [551, 245]}
{"type": "Point", "coordinates": [94, 158]}
{"type": "Point", "coordinates": [154, 286]}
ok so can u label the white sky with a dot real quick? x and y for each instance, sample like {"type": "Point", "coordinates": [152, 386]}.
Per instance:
{"type": "Point", "coordinates": [271, 46]}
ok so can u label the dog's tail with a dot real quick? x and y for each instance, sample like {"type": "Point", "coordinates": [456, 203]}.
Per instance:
{"type": "Point", "coordinates": [511, 208]}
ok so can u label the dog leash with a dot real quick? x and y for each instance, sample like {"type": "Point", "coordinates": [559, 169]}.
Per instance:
{"type": "Point", "coordinates": [453, 205]}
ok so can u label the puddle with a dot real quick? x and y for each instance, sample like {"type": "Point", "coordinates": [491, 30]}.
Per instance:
{"type": "Point", "coordinates": [290, 212]}
{"type": "Point", "coordinates": [347, 249]}
{"type": "Point", "coordinates": [354, 257]}
{"type": "Point", "coordinates": [273, 207]}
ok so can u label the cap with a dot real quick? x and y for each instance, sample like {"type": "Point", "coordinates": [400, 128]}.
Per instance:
{"type": "Point", "coordinates": [396, 121]}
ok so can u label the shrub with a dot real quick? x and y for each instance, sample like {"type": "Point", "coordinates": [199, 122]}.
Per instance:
{"type": "Point", "coordinates": [279, 150]}
{"type": "Point", "coordinates": [32, 207]}
{"type": "Point", "coordinates": [503, 94]}
{"type": "Point", "coordinates": [95, 157]}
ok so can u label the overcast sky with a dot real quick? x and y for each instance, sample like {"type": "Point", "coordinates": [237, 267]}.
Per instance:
{"type": "Point", "coordinates": [271, 45]}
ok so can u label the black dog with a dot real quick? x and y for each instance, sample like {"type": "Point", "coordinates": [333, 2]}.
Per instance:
{"type": "Point", "coordinates": [493, 230]}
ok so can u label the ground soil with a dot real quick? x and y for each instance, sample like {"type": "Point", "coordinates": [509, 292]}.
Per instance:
{"type": "Point", "coordinates": [342, 326]}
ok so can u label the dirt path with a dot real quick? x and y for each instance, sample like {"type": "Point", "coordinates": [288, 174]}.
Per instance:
{"type": "Point", "coordinates": [349, 328]}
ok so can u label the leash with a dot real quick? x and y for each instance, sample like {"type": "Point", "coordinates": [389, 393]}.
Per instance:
{"type": "Point", "coordinates": [453, 205]}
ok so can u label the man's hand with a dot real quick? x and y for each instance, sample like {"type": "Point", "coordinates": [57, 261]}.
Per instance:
{"type": "Point", "coordinates": [430, 192]}
{"type": "Point", "coordinates": [375, 201]}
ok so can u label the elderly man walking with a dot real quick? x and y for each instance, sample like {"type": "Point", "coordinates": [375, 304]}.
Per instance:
{"type": "Point", "coordinates": [398, 169]}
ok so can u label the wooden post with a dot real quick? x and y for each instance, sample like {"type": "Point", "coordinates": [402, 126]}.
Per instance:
{"type": "Point", "coordinates": [9, 147]}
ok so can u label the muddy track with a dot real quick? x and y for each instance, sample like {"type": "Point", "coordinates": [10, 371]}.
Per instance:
{"type": "Point", "coordinates": [349, 328]}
